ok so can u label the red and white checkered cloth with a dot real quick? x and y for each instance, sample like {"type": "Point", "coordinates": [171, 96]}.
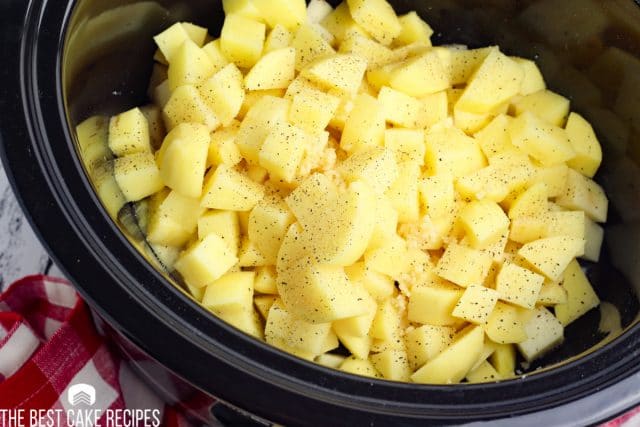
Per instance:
{"type": "Point", "coordinates": [48, 343]}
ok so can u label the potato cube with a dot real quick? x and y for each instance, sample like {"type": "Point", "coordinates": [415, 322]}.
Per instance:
{"type": "Point", "coordinates": [505, 325]}
{"type": "Point", "coordinates": [544, 332]}
{"type": "Point", "coordinates": [186, 105]}
{"type": "Point", "coordinates": [320, 293]}
{"type": "Point", "coordinates": [362, 367]}
{"type": "Point", "coordinates": [365, 125]}
{"type": "Point", "coordinates": [245, 8]}
{"type": "Point", "coordinates": [462, 63]}
{"type": "Point", "coordinates": [358, 43]}
{"type": "Point", "coordinates": [275, 70]}
{"type": "Point", "coordinates": [189, 65]}
{"type": "Point", "coordinates": [358, 346]}
{"type": "Point", "coordinates": [582, 193]}
{"type": "Point", "coordinates": [594, 235]}
{"type": "Point", "coordinates": [267, 113]}
{"type": "Point", "coordinates": [227, 189]}
{"type": "Point", "coordinates": [389, 258]}
{"type": "Point", "coordinates": [449, 150]}
{"type": "Point", "coordinates": [400, 109]}
{"type": "Point", "coordinates": [93, 142]}
{"type": "Point", "coordinates": [263, 304]}
{"type": "Point", "coordinates": [470, 123]}
{"type": "Point", "coordinates": [309, 45]}
{"type": "Point", "coordinates": [551, 256]}
{"type": "Point", "coordinates": [377, 17]}
{"type": "Point", "coordinates": [341, 72]}
{"type": "Point", "coordinates": [392, 364]}
{"type": "Point", "coordinates": [414, 29]}
{"type": "Point", "coordinates": [242, 40]}
{"type": "Point", "coordinates": [551, 293]}
{"type": "Point", "coordinates": [484, 223]}
{"type": "Point", "coordinates": [585, 143]}
{"type": "Point", "coordinates": [223, 149]}
{"type": "Point", "coordinates": [288, 13]}
{"type": "Point", "coordinates": [249, 255]}
{"type": "Point", "coordinates": [454, 362]}
{"type": "Point", "coordinates": [268, 223]}
{"type": "Point", "coordinates": [546, 143]}
{"type": "Point", "coordinates": [339, 22]}
{"type": "Point", "coordinates": [518, 285]}
{"type": "Point", "coordinates": [532, 202]}
{"type": "Point", "coordinates": [403, 193]}
{"type": "Point", "coordinates": [358, 326]}
{"type": "Point", "coordinates": [406, 144]}
{"type": "Point", "coordinates": [312, 110]}
{"type": "Point", "coordinates": [137, 176]}
{"type": "Point", "coordinates": [494, 138]}
{"type": "Point", "coordinates": [503, 360]}
{"type": "Point", "coordinates": [463, 266]}
{"type": "Point", "coordinates": [437, 195]}
{"type": "Point", "coordinates": [283, 150]}
{"type": "Point", "coordinates": [378, 285]}
{"type": "Point", "coordinates": [433, 305]}
{"type": "Point", "coordinates": [129, 133]}
{"type": "Point", "coordinates": [580, 295]}
{"type": "Point", "coordinates": [231, 292]}
{"type": "Point", "coordinates": [476, 303]}
{"type": "Point", "coordinates": [567, 223]}
{"type": "Point", "coordinates": [278, 38]}
{"type": "Point", "coordinates": [223, 223]}
{"type": "Point", "coordinates": [214, 52]}
{"type": "Point", "coordinates": [483, 373]}
{"type": "Point", "coordinates": [554, 177]}
{"type": "Point", "coordinates": [224, 93]}
{"type": "Point", "coordinates": [265, 282]}
{"type": "Point", "coordinates": [174, 220]}
{"type": "Point", "coordinates": [206, 261]}
{"type": "Point", "coordinates": [533, 80]}
{"type": "Point", "coordinates": [184, 159]}
{"type": "Point", "coordinates": [497, 80]}
{"type": "Point", "coordinates": [171, 39]}
{"type": "Point", "coordinates": [374, 166]}
{"type": "Point", "coordinates": [311, 198]}
{"type": "Point", "coordinates": [286, 331]}
{"type": "Point", "coordinates": [418, 76]}
{"type": "Point", "coordinates": [545, 104]}
{"type": "Point", "coordinates": [427, 341]}
{"type": "Point", "coordinates": [387, 322]}
{"type": "Point", "coordinates": [525, 229]}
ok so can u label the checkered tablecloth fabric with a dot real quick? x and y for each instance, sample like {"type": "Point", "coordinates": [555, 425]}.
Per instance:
{"type": "Point", "coordinates": [49, 344]}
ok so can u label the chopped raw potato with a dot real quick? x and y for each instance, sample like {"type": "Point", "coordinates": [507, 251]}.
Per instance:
{"type": "Point", "coordinates": [323, 177]}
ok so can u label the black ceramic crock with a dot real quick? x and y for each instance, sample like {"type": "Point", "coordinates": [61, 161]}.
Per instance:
{"type": "Point", "coordinates": [66, 60]}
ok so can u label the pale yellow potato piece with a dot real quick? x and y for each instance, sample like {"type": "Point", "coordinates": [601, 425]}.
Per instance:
{"type": "Point", "coordinates": [309, 45]}
{"type": "Point", "coordinates": [224, 93]}
{"type": "Point", "coordinates": [433, 305]}
{"type": "Point", "coordinates": [546, 143]}
{"type": "Point", "coordinates": [137, 176]}
{"type": "Point", "coordinates": [506, 323]}
{"type": "Point", "coordinates": [463, 266]}
{"type": "Point", "coordinates": [374, 166]}
{"type": "Point", "coordinates": [414, 29]}
{"type": "Point", "coordinates": [364, 126]}
{"type": "Point", "coordinates": [268, 112]}
{"type": "Point", "coordinates": [173, 220]}
{"type": "Point", "coordinates": [392, 364]}
{"type": "Point", "coordinates": [223, 223]}
{"type": "Point", "coordinates": [362, 367]}
{"type": "Point", "coordinates": [551, 256]}
{"type": "Point", "coordinates": [582, 193]}
{"type": "Point", "coordinates": [484, 222]}
{"type": "Point", "coordinates": [585, 143]}
{"type": "Point", "coordinates": [545, 104]}
{"type": "Point", "coordinates": [340, 72]}
{"type": "Point", "coordinates": [518, 285]}
{"type": "Point", "coordinates": [580, 295]}
{"type": "Point", "coordinates": [186, 105]}
{"type": "Point", "coordinates": [128, 133]}
{"type": "Point", "coordinates": [189, 65]}
{"type": "Point", "coordinates": [196, 266]}
{"type": "Point", "coordinates": [288, 13]}
{"type": "Point", "coordinates": [425, 342]}
{"type": "Point", "coordinates": [242, 40]}
{"type": "Point", "coordinates": [544, 332]}
{"type": "Point", "coordinates": [533, 80]}
{"type": "Point", "coordinates": [377, 17]}
{"type": "Point", "coordinates": [503, 360]}
{"type": "Point", "coordinates": [268, 223]}
{"type": "Point", "coordinates": [476, 304]}
{"type": "Point", "coordinates": [228, 189]}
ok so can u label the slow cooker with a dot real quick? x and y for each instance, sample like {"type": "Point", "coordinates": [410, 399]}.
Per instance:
{"type": "Point", "coordinates": [67, 60]}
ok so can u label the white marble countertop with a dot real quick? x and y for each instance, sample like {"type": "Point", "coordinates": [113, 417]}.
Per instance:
{"type": "Point", "coordinates": [21, 253]}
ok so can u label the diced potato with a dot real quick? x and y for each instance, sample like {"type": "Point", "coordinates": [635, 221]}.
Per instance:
{"type": "Point", "coordinates": [532, 202]}
{"type": "Point", "coordinates": [223, 149]}
{"type": "Point", "coordinates": [418, 76]}
{"type": "Point", "coordinates": [503, 360]}
{"type": "Point", "coordinates": [551, 293]}
{"type": "Point", "coordinates": [582, 193]}
{"type": "Point", "coordinates": [427, 341]}
{"type": "Point", "coordinates": [330, 360]}
{"type": "Point", "coordinates": [463, 266]}
{"type": "Point", "coordinates": [231, 292]}
{"type": "Point", "coordinates": [223, 223]}
{"type": "Point", "coordinates": [518, 285]}
{"type": "Point", "coordinates": [378, 285]}
{"type": "Point", "coordinates": [278, 38]}
{"type": "Point", "coordinates": [184, 159]}
{"type": "Point", "coordinates": [174, 220]}
{"type": "Point", "coordinates": [227, 189]}
{"type": "Point", "coordinates": [414, 29]}
{"type": "Point", "coordinates": [435, 108]}
{"type": "Point", "coordinates": [171, 39]}
{"type": "Point", "coordinates": [186, 105]}
{"type": "Point", "coordinates": [341, 72]}
{"type": "Point", "coordinates": [93, 142]}
{"type": "Point", "coordinates": [265, 281]}
{"type": "Point", "coordinates": [189, 65]}
{"type": "Point", "coordinates": [389, 258]}
{"type": "Point", "coordinates": [580, 295]}
{"type": "Point", "coordinates": [386, 322]}
{"type": "Point", "coordinates": [285, 330]}
{"type": "Point", "coordinates": [551, 256]}
{"type": "Point", "coordinates": [433, 305]}
{"type": "Point", "coordinates": [546, 143]}
{"type": "Point", "coordinates": [214, 52]}
{"type": "Point", "coordinates": [374, 166]}
{"type": "Point", "coordinates": [506, 324]}
{"type": "Point", "coordinates": [594, 234]}
{"type": "Point", "coordinates": [377, 17]}
{"type": "Point", "coordinates": [483, 374]}
{"type": "Point", "coordinates": [476, 304]}
{"type": "Point", "coordinates": [309, 45]}
{"type": "Point", "coordinates": [392, 364]}
{"type": "Point", "coordinates": [224, 93]}
{"type": "Point", "coordinates": [533, 80]}
{"type": "Point", "coordinates": [400, 109]}
{"type": "Point", "coordinates": [268, 223]}
{"type": "Point", "coordinates": [263, 304]}
{"type": "Point", "coordinates": [437, 195]}
{"type": "Point", "coordinates": [358, 346]}
{"type": "Point", "coordinates": [449, 150]}
{"type": "Point", "coordinates": [317, 10]}
{"type": "Point", "coordinates": [358, 43]}
{"type": "Point", "coordinates": [249, 255]}
{"type": "Point", "coordinates": [403, 193]}
{"type": "Point", "coordinates": [312, 110]}
{"type": "Point", "coordinates": [496, 81]}
{"type": "Point", "coordinates": [494, 138]}
{"type": "Point", "coordinates": [585, 143]}
{"type": "Point", "coordinates": [245, 8]}
{"type": "Point", "coordinates": [288, 13]}
{"type": "Point", "coordinates": [206, 261]}
{"type": "Point", "coordinates": [266, 113]}
{"type": "Point", "coordinates": [544, 332]}
{"type": "Point", "coordinates": [546, 105]}
{"type": "Point", "coordinates": [462, 63]}
{"type": "Point", "coordinates": [320, 293]}
{"type": "Point", "coordinates": [406, 144]}
{"type": "Point", "coordinates": [358, 326]}
{"type": "Point", "coordinates": [339, 23]}
{"type": "Point", "coordinates": [360, 367]}
{"type": "Point", "coordinates": [242, 40]}
{"type": "Point", "coordinates": [454, 362]}
{"type": "Point", "coordinates": [554, 177]}
{"type": "Point", "coordinates": [283, 150]}
{"type": "Point", "coordinates": [470, 123]}
{"type": "Point", "coordinates": [567, 223]}
{"type": "Point", "coordinates": [129, 133]}
{"type": "Point", "coordinates": [137, 176]}
{"type": "Point", "coordinates": [365, 125]}
{"type": "Point", "coordinates": [484, 223]}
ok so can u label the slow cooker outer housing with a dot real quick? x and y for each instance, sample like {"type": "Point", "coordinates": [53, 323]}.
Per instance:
{"type": "Point", "coordinates": [158, 321]}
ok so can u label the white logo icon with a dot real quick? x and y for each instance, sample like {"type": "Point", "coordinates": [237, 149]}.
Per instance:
{"type": "Point", "coordinates": [81, 394]}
